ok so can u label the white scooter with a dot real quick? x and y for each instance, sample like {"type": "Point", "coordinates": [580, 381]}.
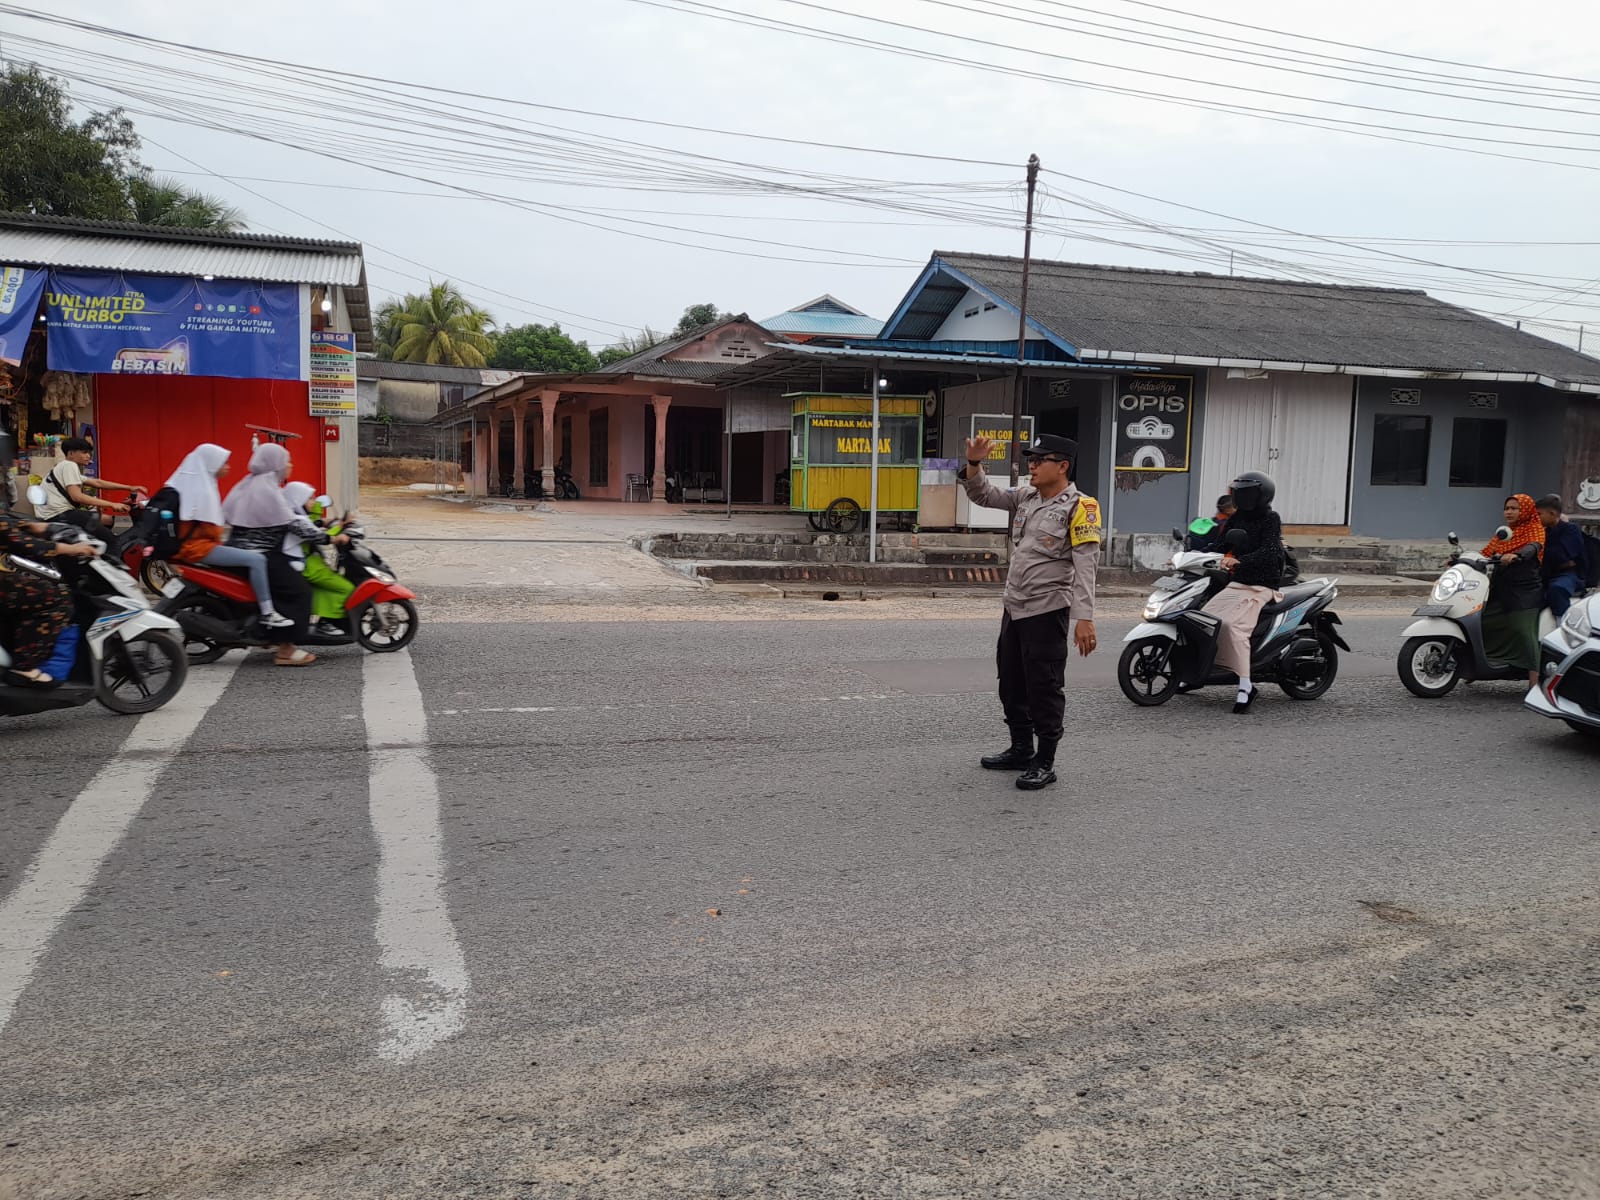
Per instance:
{"type": "Point", "coordinates": [1296, 642]}
{"type": "Point", "coordinates": [130, 658]}
{"type": "Point", "coordinates": [1445, 644]}
{"type": "Point", "coordinates": [1569, 667]}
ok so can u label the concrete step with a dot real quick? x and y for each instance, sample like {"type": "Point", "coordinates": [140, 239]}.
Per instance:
{"type": "Point", "coordinates": [938, 557]}
{"type": "Point", "coordinates": [874, 573]}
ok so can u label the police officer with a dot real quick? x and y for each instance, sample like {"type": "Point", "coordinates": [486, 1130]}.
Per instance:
{"type": "Point", "coordinates": [1055, 549]}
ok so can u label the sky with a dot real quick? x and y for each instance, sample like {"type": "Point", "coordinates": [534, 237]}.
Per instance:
{"type": "Point", "coordinates": [450, 160]}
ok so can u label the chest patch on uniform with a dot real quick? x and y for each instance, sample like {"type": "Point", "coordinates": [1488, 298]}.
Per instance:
{"type": "Point", "coordinates": [1086, 522]}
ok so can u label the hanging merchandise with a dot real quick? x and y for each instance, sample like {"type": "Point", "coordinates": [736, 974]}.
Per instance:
{"type": "Point", "coordinates": [65, 393]}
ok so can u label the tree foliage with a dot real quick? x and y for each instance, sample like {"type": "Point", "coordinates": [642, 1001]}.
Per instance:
{"type": "Point", "coordinates": [167, 202]}
{"type": "Point", "coordinates": [540, 348]}
{"type": "Point", "coordinates": [634, 343]}
{"type": "Point", "coordinates": [439, 327]}
{"type": "Point", "coordinates": [697, 316]}
{"type": "Point", "coordinates": [53, 165]}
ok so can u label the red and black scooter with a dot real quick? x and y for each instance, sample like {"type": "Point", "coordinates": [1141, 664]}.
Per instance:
{"type": "Point", "coordinates": [217, 611]}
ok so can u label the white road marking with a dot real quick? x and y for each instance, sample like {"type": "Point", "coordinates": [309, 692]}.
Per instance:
{"type": "Point", "coordinates": [65, 868]}
{"type": "Point", "coordinates": [416, 940]}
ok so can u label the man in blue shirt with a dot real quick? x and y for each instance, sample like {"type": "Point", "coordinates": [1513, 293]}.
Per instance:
{"type": "Point", "coordinates": [1562, 566]}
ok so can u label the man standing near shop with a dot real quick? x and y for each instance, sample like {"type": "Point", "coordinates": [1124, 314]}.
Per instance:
{"type": "Point", "coordinates": [1055, 550]}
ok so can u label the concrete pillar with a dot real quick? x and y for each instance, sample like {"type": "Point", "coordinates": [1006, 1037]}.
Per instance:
{"type": "Point", "coordinates": [658, 481]}
{"type": "Point", "coordinates": [547, 406]}
{"type": "Point", "coordinates": [519, 445]}
{"type": "Point", "coordinates": [480, 460]}
{"type": "Point", "coordinates": [494, 452]}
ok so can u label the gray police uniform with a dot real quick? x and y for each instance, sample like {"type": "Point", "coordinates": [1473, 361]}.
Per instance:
{"type": "Point", "coordinates": [1055, 551]}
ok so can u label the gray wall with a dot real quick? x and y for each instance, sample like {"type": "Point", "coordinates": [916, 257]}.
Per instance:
{"type": "Point", "coordinates": [1534, 447]}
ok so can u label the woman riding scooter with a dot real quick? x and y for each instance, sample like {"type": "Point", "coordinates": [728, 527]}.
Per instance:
{"type": "Point", "coordinates": [34, 609]}
{"type": "Point", "coordinates": [329, 589]}
{"type": "Point", "coordinates": [261, 518]}
{"type": "Point", "coordinates": [1253, 538]}
{"type": "Point", "coordinates": [1516, 593]}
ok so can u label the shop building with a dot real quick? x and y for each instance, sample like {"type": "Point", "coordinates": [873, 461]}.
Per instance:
{"type": "Point", "coordinates": [1380, 412]}
{"type": "Point", "coordinates": [152, 340]}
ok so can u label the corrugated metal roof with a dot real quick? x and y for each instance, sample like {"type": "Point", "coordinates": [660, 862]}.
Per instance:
{"type": "Point", "coordinates": [1132, 313]}
{"type": "Point", "coordinates": [828, 324]}
{"type": "Point", "coordinates": [68, 249]}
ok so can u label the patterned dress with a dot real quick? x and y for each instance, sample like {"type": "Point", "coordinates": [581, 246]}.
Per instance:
{"type": "Point", "coordinates": [33, 610]}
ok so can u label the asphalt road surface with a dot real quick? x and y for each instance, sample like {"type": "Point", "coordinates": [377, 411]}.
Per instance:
{"type": "Point", "coordinates": [700, 908]}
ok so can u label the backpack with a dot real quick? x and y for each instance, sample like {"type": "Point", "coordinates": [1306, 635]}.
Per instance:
{"type": "Point", "coordinates": [158, 524]}
{"type": "Point", "coordinates": [1291, 566]}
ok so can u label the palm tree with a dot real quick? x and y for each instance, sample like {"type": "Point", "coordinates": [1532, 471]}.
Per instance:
{"type": "Point", "coordinates": [441, 326]}
{"type": "Point", "coordinates": [158, 201]}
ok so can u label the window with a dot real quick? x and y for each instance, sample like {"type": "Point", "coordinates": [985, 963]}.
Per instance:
{"type": "Point", "coordinates": [1400, 451]}
{"type": "Point", "coordinates": [1477, 452]}
{"type": "Point", "coordinates": [565, 461]}
{"type": "Point", "coordinates": [599, 447]}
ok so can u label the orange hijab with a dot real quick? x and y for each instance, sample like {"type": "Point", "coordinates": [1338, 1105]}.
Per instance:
{"type": "Point", "coordinates": [1527, 531]}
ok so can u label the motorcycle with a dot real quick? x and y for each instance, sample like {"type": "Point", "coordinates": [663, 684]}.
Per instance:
{"type": "Point", "coordinates": [566, 486]}
{"type": "Point", "coordinates": [217, 610]}
{"type": "Point", "coordinates": [1445, 644]}
{"type": "Point", "coordinates": [1569, 669]}
{"type": "Point", "coordinates": [1295, 644]}
{"type": "Point", "coordinates": [129, 657]}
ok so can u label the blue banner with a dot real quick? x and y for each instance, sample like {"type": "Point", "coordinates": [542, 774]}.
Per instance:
{"type": "Point", "coordinates": [19, 300]}
{"type": "Point", "coordinates": [104, 324]}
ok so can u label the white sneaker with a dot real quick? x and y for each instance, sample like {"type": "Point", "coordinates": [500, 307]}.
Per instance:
{"type": "Point", "coordinates": [274, 620]}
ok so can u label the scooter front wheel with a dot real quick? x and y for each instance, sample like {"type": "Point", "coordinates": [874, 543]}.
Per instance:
{"type": "Point", "coordinates": [142, 675]}
{"type": "Point", "coordinates": [1144, 672]}
{"type": "Point", "coordinates": [1429, 666]}
{"type": "Point", "coordinates": [386, 626]}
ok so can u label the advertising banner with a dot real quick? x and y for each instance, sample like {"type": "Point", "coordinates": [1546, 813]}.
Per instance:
{"type": "Point", "coordinates": [19, 300]}
{"type": "Point", "coordinates": [1152, 415]}
{"type": "Point", "coordinates": [997, 426]}
{"type": "Point", "coordinates": [106, 324]}
{"type": "Point", "coordinates": [333, 374]}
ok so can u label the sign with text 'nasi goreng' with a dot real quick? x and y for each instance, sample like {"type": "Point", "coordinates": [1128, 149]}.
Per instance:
{"type": "Point", "coordinates": [997, 428]}
{"type": "Point", "coordinates": [163, 325]}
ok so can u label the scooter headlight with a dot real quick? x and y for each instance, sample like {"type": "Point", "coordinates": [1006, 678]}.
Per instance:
{"type": "Point", "coordinates": [380, 576]}
{"type": "Point", "coordinates": [1448, 584]}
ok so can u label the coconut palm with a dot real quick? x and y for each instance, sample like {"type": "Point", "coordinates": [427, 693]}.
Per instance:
{"type": "Point", "coordinates": [442, 326]}
{"type": "Point", "coordinates": [158, 201]}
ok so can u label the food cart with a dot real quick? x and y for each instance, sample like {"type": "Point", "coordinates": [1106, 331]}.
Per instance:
{"type": "Point", "coordinates": [830, 454]}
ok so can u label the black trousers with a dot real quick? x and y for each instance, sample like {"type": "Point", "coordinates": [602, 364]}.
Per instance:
{"type": "Point", "coordinates": [1032, 659]}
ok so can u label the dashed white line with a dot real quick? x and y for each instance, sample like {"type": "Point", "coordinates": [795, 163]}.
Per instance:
{"type": "Point", "coordinates": [416, 940]}
{"type": "Point", "coordinates": [65, 868]}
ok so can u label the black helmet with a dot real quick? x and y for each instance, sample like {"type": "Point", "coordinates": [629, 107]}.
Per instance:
{"type": "Point", "coordinates": [1252, 490]}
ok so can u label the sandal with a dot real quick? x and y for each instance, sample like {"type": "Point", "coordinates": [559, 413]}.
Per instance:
{"type": "Point", "coordinates": [37, 680]}
{"type": "Point", "coordinates": [300, 658]}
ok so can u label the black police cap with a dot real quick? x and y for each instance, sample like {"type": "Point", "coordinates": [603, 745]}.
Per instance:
{"type": "Point", "coordinates": [1050, 444]}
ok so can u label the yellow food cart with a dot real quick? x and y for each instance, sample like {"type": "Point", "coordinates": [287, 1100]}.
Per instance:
{"type": "Point", "coordinates": [830, 467]}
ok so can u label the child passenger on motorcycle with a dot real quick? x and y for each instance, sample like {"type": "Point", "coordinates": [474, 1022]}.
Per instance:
{"type": "Point", "coordinates": [329, 589]}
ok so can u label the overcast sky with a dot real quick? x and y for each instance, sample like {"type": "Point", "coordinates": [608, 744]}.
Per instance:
{"type": "Point", "coordinates": [482, 223]}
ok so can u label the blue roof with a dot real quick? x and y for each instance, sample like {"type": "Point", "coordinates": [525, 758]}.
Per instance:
{"type": "Point", "coordinates": [823, 324]}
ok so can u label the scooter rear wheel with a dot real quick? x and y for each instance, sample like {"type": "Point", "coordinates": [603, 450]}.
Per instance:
{"type": "Point", "coordinates": [1429, 666]}
{"type": "Point", "coordinates": [1311, 689]}
{"type": "Point", "coordinates": [387, 626]}
{"type": "Point", "coordinates": [1144, 672]}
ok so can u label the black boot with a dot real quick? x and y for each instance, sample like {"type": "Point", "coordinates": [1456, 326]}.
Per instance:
{"type": "Point", "coordinates": [1040, 772]}
{"type": "Point", "coordinates": [1018, 757]}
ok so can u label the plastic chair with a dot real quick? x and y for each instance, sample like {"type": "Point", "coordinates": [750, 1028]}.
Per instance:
{"type": "Point", "coordinates": [638, 488]}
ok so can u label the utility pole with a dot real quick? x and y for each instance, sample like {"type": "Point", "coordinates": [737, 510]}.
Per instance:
{"type": "Point", "coordinates": [1022, 324]}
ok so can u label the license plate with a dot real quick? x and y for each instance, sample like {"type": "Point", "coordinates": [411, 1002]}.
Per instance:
{"type": "Point", "coordinates": [171, 588]}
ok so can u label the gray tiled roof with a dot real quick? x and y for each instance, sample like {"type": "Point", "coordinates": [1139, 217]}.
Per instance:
{"type": "Point", "coordinates": [1126, 311]}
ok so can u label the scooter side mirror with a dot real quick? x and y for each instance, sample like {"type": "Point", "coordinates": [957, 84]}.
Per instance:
{"type": "Point", "coordinates": [1236, 539]}
{"type": "Point", "coordinates": [1503, 534]}
{"type": "Point", "coordinates": [1452, 538]}
{"type": "Point", "coordinates": [37, 495]}
{"type": "Point", "coordinates": [1177, 534]}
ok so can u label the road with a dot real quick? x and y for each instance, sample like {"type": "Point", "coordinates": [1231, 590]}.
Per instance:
{"type": "Point", "coordinates": [722, 907]}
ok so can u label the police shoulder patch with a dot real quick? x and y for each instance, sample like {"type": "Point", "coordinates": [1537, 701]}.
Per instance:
{"type": "Point", "coordinates": [1086, 522]}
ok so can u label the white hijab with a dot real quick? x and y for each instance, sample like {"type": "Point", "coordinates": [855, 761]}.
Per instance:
{"type": "Point", "coordinates": [296, 494]}
{"type": "Point", "coordinates": [195, 481]}
{"type": "Point", "coordinates": [257, 501]}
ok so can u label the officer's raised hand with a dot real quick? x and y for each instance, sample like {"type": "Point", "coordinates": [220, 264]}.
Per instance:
{"type": "Point", "coordinates": [978, 449]}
